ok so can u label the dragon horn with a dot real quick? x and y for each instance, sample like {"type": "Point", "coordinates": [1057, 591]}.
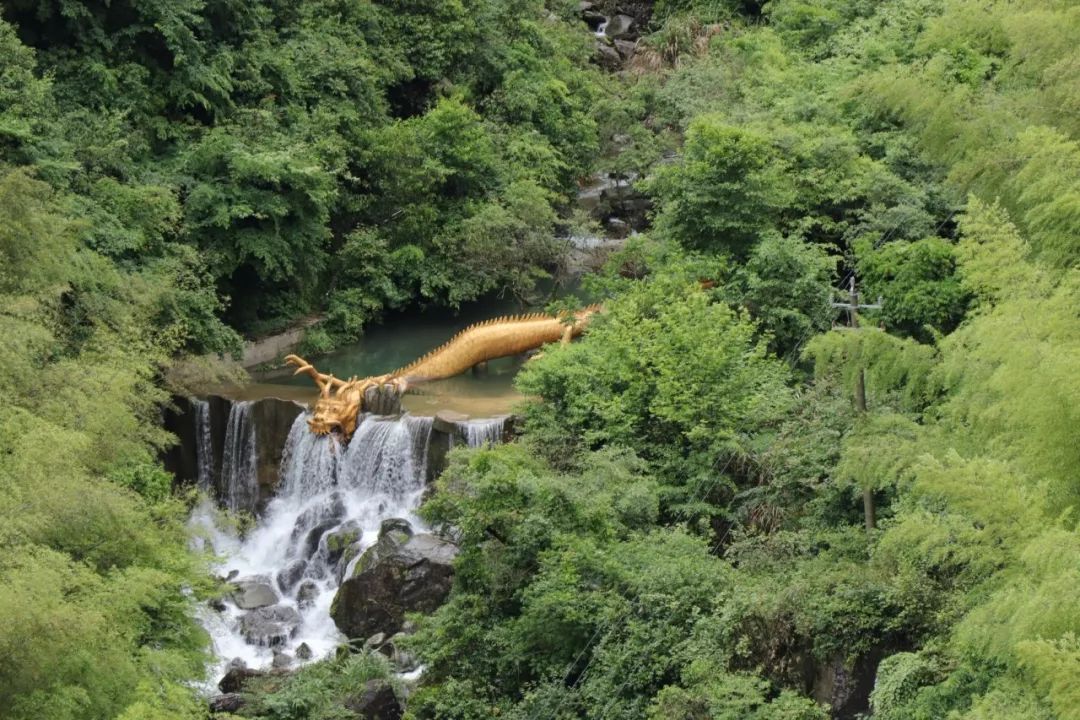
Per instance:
{"type": "Point", "coordinates": [303, 366]}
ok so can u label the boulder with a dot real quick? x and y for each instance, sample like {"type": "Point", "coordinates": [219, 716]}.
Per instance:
{"type": "Point", "coordinates": [311, 543]}
{"type": "Point", "coordinates": [281, 660]}
{"type": "Point", "coordinates": [236, 677]}
{"type": "Point", "coordinates": [227, 703]}
{"type": "Point", "coordinates": [291, 575]}
{"type": "Point", "coordinates": [303, 652]}
{"type": "Point", "coordinates": [347, 557]}
{"type": "Point", "coordinates": [305, 596]}
{"type": "Point", "coordinates": [607, 57]}
{"type": "Point", "coordinates": [620, 27]}
{"type": "Point", "coordinates": [400, 573]}
{"type": "Point", "coordinates": [626, 49]}
{"type": "Point", "coordinates": [316, 521]}
{"type": "Point", "coordinates": [375, 641]}
{"type": "Point", "coordinates": [339, 540]}
{"type": "Point", "coordinates": [270, 626]}
{"type": "Point", "coordinates": [375, 702]}
{"type": "Point", "coordinates": [253, 592]}
{"type": "Point", "coordinates": [398, 528]}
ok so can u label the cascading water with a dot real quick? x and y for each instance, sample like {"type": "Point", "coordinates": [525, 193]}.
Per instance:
{"type": "Point", "coordinates": [204, 449]}
{"type": "Point", "coordinates": [326, 490]}
{"type": "Point", "coordinates": [239, 459]}
{"type": "Point", "coordinates": [479, 433]}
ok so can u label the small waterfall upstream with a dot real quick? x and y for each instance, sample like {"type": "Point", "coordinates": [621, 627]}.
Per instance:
{"type": "Point", "coordinates": [239, 459]}
{"type": "Point", "coordinates": [479, 433]}
{"type": "Point", "coordinates": [204, 447]}
{"type": "Point", "coordinates": [287, 570]}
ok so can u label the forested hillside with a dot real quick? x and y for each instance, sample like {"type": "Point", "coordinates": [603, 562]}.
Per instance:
{"type": "Point", "coordinates": [699, 518]}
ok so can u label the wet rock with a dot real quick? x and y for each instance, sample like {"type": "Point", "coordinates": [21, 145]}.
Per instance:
{"type": "Point", "coordinates": [608, 195]}
{"type": "Point", "coordinates": [339, 540]}
{"type": "Point", "coordinates": [314, 522]}
{"type": "Point", "coordinates": [311, 543]}
{"type": "Point", "coordinates": [303, 652]}
{"type": "Point", "coordinates": [281, 660]}
{"type": "Point", "coordinates": [448, 421]}
{"type": "Point", "coordinates": [620, 27]}
{"type": "Point", "coordinates": [382, 400]}
{"type": "Point", "coordinates": [181, 459]}
{"type": "Point", "coordinates": [593, 19]}
{"type": "Point", "coordinates": [397, 528]}
{"type": "Point", "coordinates": [375, 702]}
{"type": "Point", "coordinates": [273, 419]}
{"type": "Point", "coordinates": [350, 554]}
{"type": "Point", "coordinates": [236, 677]}
{"type": "Point", "coordinates": [375, 641]}
{"type": "Point", "coordinates": [253, 592]}
{"type": "Point", "coordinates": [396, 575]}
{"type": "Point", "coordinates": [227, 703]}
{"type": "Point", "coordinates": [626, 49]}
{"type": "Point", "coordinates": [305, 596]}
{"type": "Point", "coordinates": [446, 431]}
{"type": "Point", "coordinates": [216, 604]}
{"type": "Point", "coordinates": [291, 575]}
{"type": "Point", "coordinates": [844, 685]}
{"type": "Point", "coordinates": [618, 228]}
{"type": "Point", "coordinates": [269, 626]}
{"type": "Point", "coordinates": [607, 57]}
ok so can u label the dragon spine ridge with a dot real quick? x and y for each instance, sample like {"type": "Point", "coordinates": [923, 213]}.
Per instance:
{"type": "Point", "coordinates": [523, 317]}
{"type": "Point", "coordinates": [341, 401]}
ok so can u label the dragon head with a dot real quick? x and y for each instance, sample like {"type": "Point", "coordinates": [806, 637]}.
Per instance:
{"type": "Point", "coordinates": [336, 413]}
{"type": "Point", "coordinates": [340, 401]}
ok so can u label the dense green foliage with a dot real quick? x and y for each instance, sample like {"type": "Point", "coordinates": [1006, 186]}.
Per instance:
{"type": "Point", "coordinates": [336, 158]}
{"type": "Point", "coordinates": [679, 531]}
{"type": "Point", "coordinates": [932, 147]}
{"type": "Point", "coordinates": [93, 555]}
{"type": "Point", "coordinates": [321, 691]}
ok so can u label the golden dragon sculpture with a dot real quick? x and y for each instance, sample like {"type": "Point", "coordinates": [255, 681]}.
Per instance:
{"type": "Point", "coordinates": [341, 401]}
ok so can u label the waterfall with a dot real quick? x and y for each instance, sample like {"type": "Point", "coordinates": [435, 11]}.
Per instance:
{"type": "Point", "coordinates": [482, 432]}
{"type": "Point", "coordinates": [325, 490]}
{"type": "Point", "coordinates": [479, 433]}
{"type": "Point", "coordinates": [388, 457]}
{"type": "Point", "coordinates": [239, 459]}
{"type": "Point", "coordinates": [204, 448]}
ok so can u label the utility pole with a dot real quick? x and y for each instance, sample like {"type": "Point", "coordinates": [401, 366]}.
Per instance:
{"type": "Point", "coordinates": [852, 306]}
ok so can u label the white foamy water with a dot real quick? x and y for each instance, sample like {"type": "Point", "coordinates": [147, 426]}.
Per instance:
{"type": "Point", "coordinates": [239, 459]}
{"type": "Point", "coordinates": [204, 451]}
{"type": "Point", "coordinates": [487, 431]}
{"type": "Point", "coordinates": [324, 487]}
